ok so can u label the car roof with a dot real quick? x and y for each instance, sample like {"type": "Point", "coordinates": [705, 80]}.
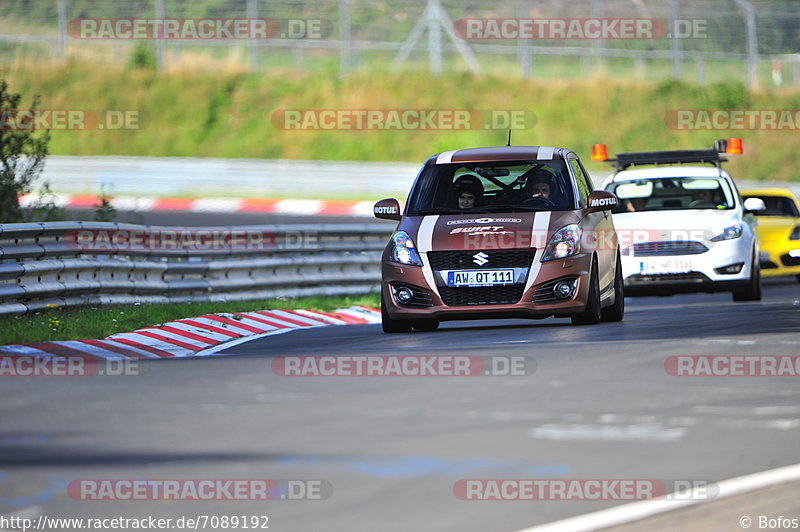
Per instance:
{"type": "Point", "coordinates": [659, 172]}
{"type": "Point", "coordinates": [500, 153]}
{"type": "Point", "coordinates": [782, 192]}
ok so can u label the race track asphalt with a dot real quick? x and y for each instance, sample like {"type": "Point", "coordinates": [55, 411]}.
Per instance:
{"type": "Point", "coordinates": [599, 405]}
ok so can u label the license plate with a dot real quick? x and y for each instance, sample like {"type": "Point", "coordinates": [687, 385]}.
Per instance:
{"type": "Point", "coordinates": [480, 277]}
{"type": "Point", "coordinates": [656, 266]}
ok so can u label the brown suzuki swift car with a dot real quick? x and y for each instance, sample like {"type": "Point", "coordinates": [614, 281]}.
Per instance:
{"type": "Point", "coordinates": [505, 232]}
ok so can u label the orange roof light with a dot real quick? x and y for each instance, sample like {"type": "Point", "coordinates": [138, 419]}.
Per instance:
{"type": "Point", "coordinates": [599, 152]}
{"type": "Point", "coordinates": [734, 147]}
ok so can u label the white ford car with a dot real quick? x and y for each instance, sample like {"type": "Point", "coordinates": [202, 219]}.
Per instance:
{"type": "Point", "coordinates": [683, 228]}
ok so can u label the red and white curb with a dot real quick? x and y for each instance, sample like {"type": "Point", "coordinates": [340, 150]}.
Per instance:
{"type": "Point", "coordinates": [221, 205]}
{"type": "Point", "coordinates": [191, 337]}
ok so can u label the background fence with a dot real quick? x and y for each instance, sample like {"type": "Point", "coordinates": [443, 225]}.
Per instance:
{"type": "Point", "coordinates": [71, 263]}
{"type": "Point", "coordinates": [755, 41]}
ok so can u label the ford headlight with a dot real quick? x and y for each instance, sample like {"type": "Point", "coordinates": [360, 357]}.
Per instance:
{"type": "Point", "coordinates": [729, 233]}
{"type": "Point", "coordinates": [564, 243]}
{"type": "Point", "coordinates": [403, 249]}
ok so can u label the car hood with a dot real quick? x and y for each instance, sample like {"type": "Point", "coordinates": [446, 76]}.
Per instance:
{"type": "Point", "coordinates": [486, 231]}
{"type": "Point", "coordinates": [661, 226]}
{"type": "Point", "coordinates": [776, 228]}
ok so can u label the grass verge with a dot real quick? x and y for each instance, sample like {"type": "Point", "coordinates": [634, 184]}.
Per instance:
{"type": "Point", "coordinates": [230, 114]}
{"type": "Point", "coordinates": [99, 322]}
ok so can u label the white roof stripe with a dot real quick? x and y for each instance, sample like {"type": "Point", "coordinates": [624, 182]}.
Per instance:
{"type": "Point", "coordinates": [446, 157]}
{"type": "Point", "coordinates": [545, 153]}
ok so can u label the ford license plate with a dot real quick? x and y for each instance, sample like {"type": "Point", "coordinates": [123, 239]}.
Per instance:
{"type": "Point", "coordinates": [674, 265]}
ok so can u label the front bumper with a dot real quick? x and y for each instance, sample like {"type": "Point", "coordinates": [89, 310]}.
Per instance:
{"type": "Point", "coordinates": [702, 272]}
{"type": "Point", "coordinates": [777, 258]}
{"type": "Point", "coordinates": [434, 301]}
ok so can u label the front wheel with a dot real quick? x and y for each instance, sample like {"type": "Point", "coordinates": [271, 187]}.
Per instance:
{"type": "Point", "coordinates": [752, 290]}
{"type": "Point", "coordinates": [390, 325]}
{"type": "Point", "coordinates": [591, 315]}
{"type": "Point", "coordinates": [616, 311]}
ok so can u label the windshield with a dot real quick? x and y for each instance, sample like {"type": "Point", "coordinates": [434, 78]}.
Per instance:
{"type": "Point", "coordinates": [492, 187]}
{"type": "Point", "coordinates": [672, 193]}
{"type": "Point", "coordinates": [777, 206]}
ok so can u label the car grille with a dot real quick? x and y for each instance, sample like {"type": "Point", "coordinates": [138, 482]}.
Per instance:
{"type": "Point", "coordinates": [481, 295]}
{"type": "Point", "coordinates": [788, 260]}
{"type": "Point", "coordinates": [768, 265]}
{"type": "Point", "coordinates": [463, 260]}
{"type": "Point", "coordinates": [693, 277]}
{"type": "Point", "coordinates": [675, 247]}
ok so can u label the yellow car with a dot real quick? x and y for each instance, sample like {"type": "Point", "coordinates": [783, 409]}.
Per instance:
{"type": "Point", "coordinates": [778, 230]}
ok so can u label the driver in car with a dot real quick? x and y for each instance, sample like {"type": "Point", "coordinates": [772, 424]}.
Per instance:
{"type": "Point", "coordinates": [541, 184]}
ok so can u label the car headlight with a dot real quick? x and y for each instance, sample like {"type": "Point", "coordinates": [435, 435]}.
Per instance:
{"type": "Point", "coordinates": [729, 233]}
{"type": "Point", "coordinates": [565, 242]}
{"type": "Point", "coordinates": [795, 234]}
{"type": "Point", "coordinates": [403, 249]}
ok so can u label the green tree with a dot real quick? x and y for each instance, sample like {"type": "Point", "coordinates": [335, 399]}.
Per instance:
{"type": "Point", "coordinates": [22, 152]}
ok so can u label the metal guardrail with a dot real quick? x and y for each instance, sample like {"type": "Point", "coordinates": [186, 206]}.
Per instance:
{"type": "Point", "coordinates": [207, 177]}
{"type": "Point", "coordinates": [97, 263]}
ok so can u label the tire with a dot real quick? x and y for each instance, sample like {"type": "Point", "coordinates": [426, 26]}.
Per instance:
{"type": "Point", "coordinates": [752, 290]}
{"type": "Point", "coordinates": [798, 278]}
{"type": "Point", "coordinates": [425, 325]}
{"type": "Point", "coordinates": [616, 311]}
{"type": "Point", "coordinates": [391, 326]}
{"type": "Point", "coordinates": [591, 315]}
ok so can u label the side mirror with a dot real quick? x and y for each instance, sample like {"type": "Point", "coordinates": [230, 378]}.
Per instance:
{"type": "Point", "coordinates": [754, 205]}
{"type": "Point", "coordinates": [601, 200]}
{"type": "Point", "coordinates": [387, 209]}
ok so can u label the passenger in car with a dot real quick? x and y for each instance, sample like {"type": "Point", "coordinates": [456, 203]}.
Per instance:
{"type": "Point", "coordinates": [468, 191]}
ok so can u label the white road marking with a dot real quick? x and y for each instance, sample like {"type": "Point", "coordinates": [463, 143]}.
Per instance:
{"type": "Point", "coordinates": [635, 511]}
{"type": "Point", "coordinates": [577, 432]}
